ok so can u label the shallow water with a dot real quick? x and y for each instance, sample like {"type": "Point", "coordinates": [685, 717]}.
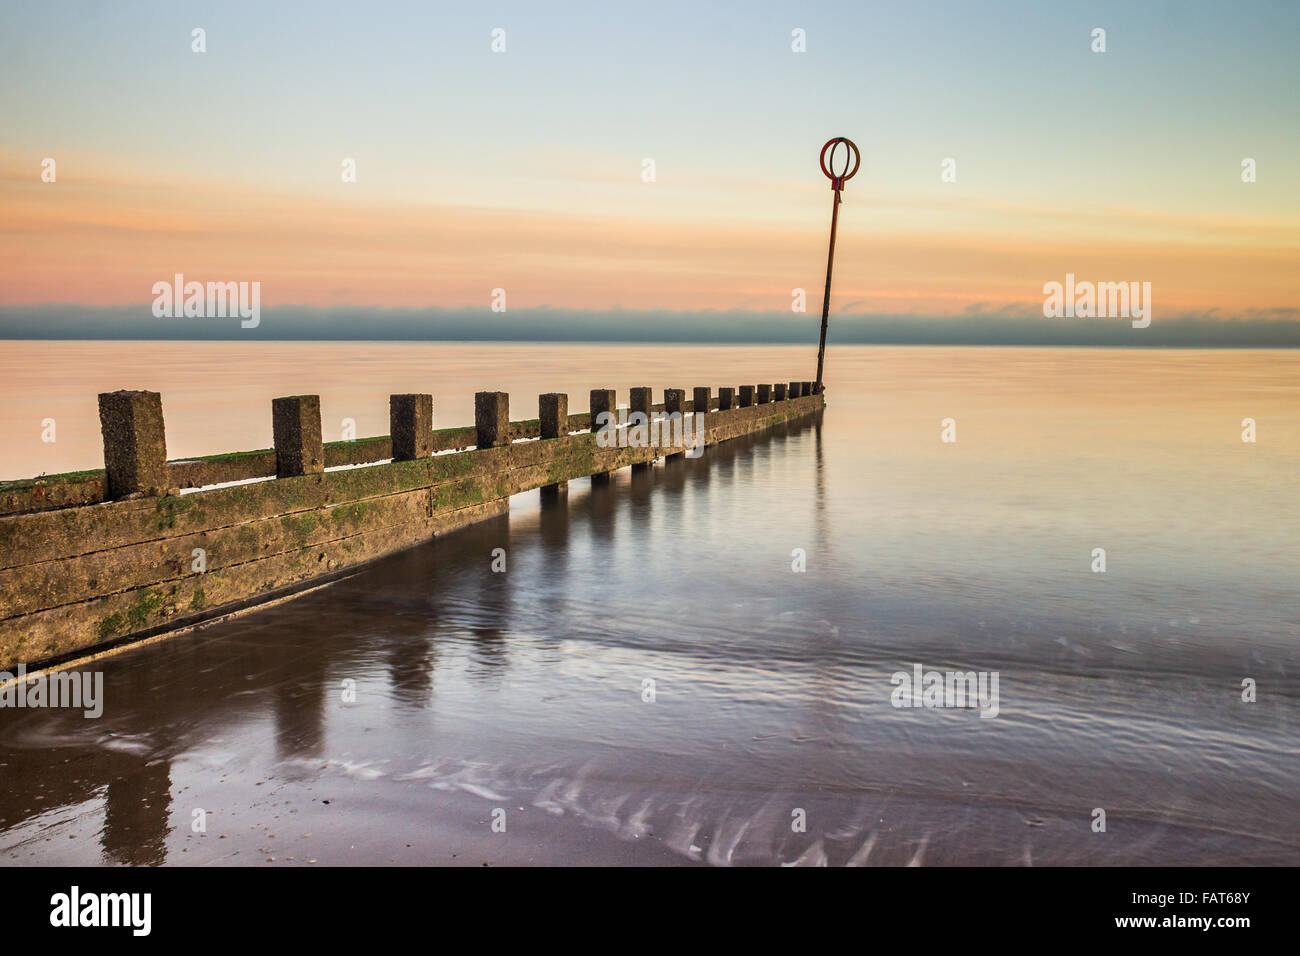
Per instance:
{"type": "Point", "coordinates": [525, 691]}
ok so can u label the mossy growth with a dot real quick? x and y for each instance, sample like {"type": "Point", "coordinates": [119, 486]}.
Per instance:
{"type": "Point", "coordinates": [148, 603]}
{"type": "Point", "coordinates": [111, 626]}
{"type": "Point", "coordinates": [230, 455]}
{"type": "Point", "coordinates": [350, 514]}
{"type": "Point", "coordinates": [170, 507]}
{"type": "Point", "coordinates": [67, 477]}
{"type": "Point", "coordinates": [353, 442]}
{"type": "Point", "coordinates": [301, 524]}
{"type": "Point", "coordinates": [458, 494]}
{"type": "Point", "coordinates": [580, 461]}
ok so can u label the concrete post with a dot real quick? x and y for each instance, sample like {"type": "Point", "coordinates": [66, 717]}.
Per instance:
{"type": "Point", "coordinates": [492, 418]}
{"type": "Point", "coordinates": [674, 401]}
{"type": "Point", "coordinates": [553, 410]}
{"type": "Point", "coordinates": [410, 425]}
{"type": "Point", "coordinates": [295, 423]}
{"type": "Point", "coordinates": [726, 398]}
{"type": "Point", "coordinates": [764, 394]}
{"type": "Point", "coordinates": [642, 400]}
{"type": "Point", "coordinates": [805, 389]}
{"type": "Point", "coordinates": [603, 400]}
{"type": "Point", "coordinates": [703, 398]}
{"type": "Point", "coordinates": [796, 389]}
{"type": "Point", "coordinates": [135, 443]}
{"type": "Point", "coordinates": [746, 396]}
{"type": "Point", "coordinates": [779, 389]}
{"type": "Point", "coordinates": [553, 413]}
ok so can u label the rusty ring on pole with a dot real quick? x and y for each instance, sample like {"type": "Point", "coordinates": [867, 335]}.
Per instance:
{"type": "Point", "coordinates": [837, 182]}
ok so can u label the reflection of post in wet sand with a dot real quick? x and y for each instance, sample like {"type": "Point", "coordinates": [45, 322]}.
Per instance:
{"type": "Point", "coordinates": [411, 659]}
{"type": "Point", "coordinates": [600, 507]}
{"type": "Point", "coordinates": [553, 524]}
{"type": "Point", "coordinates": [136, 814]}
{"type": "Point", "coordinates": [641, 483]}
{"type": "Point", "coordinates": [487, 609]}
{"type": "Point", "coordinates": [672, 476]}
{"type": "Point", "coordinates": [300, 701]}
{"type": "Point", "coordinates": [55, 760]}
{"type": "Point", "coordinates": [136, 788]}
{"type": "Point", "coordinates": [549, 566]}
{"type": "Point", "coordinates": [409, 608]}
{"type": "Point", "coordinates": [161, 702]}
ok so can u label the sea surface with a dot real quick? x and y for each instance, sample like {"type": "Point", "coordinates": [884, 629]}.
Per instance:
{"type": "Point", "coordinates": [696, 664]}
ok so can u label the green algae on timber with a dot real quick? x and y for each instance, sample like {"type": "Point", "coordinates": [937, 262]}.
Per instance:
{"type": "Point", "coordinates": [532, 427]}
{"type": "Point", "coordinates": [448, 432]}
{"type": "Point", "coordinates": [301, 524]}
{"type": "Point", "coordinates": [26, 484]}
{"type": "Point", "coordinates": [353, 442]}
{"type": "Point", "coordinates": [170, 507]}
{"type": "Point", "coordinates": [458, 494]}
{"type": "Point", "coordinates": [446, 467]}
{"type": "Point", "coordinates": [149, 602]}
{"type": "Point", "coordinates": [227, 456]}
{"type": "Point", "coordinates": [141, 613]}
{"type": "Point", "coordinates": [580, 460]}
{"type": "Point", "coordinates": [352, 513]}
{"type": "Point", "coordinates": [111, 626]}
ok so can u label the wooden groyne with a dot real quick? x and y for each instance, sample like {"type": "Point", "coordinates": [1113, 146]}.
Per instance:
{"type": "Point", "coordinates": [146, 545]}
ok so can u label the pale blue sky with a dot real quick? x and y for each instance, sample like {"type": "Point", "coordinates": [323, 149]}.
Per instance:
{"type": "Point", "coordinates": [1011, 89]}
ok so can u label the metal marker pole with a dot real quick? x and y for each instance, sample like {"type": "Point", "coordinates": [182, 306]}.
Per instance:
{"type": "Point", "coordinates": [826, 300]}
{"type": "Point", "coordinates": [837, 184]}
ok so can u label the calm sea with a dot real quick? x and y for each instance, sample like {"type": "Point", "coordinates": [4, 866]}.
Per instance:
{"type": "Point", "coordinates": [651, 680]}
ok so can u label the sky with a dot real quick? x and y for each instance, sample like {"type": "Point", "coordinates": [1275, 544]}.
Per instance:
{"type": "Point", "coordinates": [523, 170]}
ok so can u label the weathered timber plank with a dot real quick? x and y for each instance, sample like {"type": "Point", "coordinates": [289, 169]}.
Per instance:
{"type": "Point", "coordinates": [50, 584]}
{"type": "Point", "coordinates": [81, 626]}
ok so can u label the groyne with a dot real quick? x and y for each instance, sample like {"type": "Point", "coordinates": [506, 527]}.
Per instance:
{"type": "Point", "coordinates": [146, 545]}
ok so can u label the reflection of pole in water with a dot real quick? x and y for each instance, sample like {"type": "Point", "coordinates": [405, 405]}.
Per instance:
{"type": "Point", "coordinates": [830, 684]}
{"type": "Point", "coordinates": [819, 474]}
{"type": "Point", "coordinates": [824, 541]}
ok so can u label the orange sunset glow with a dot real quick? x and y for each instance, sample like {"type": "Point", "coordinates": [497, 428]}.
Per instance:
{"type": "Point", "coordinates": [107, 239]}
